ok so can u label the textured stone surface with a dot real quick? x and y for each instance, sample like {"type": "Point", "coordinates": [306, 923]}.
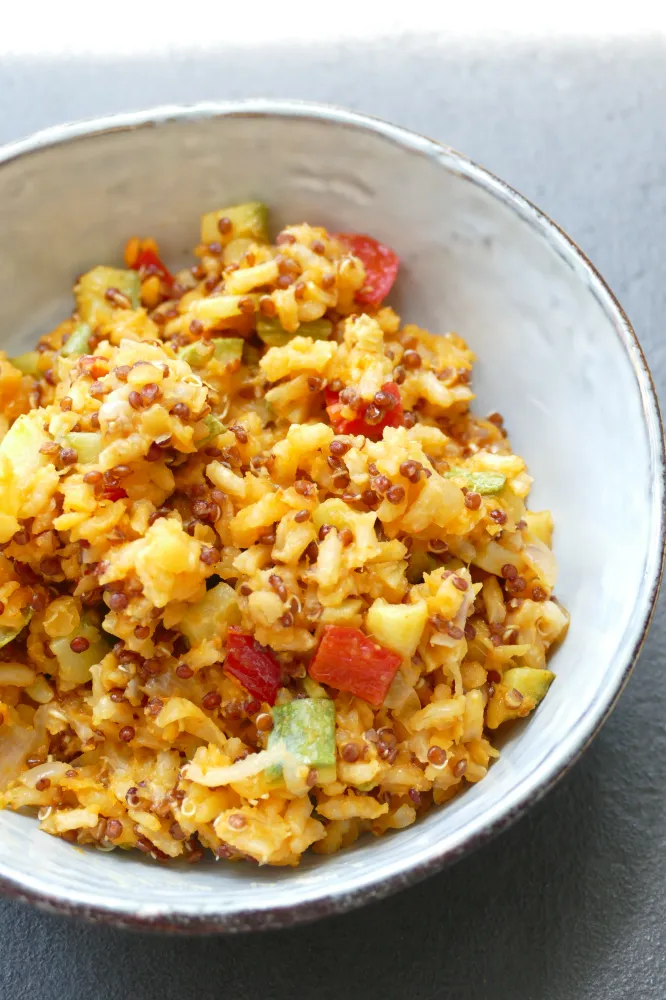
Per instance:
{"type": "Point", "coordinates": [570, 904]}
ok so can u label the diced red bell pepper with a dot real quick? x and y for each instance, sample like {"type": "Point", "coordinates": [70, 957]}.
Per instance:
{"type": "Point", "coordinates": [114, 493]}
{"type": "Point", "coordinates": [351, 661]}
{"type": "Point", "coordinates": [392, 418]}
{"type": "Point", "coordinates": [149, 263]}
{"type": "Point", "coordinates": [253, 665]}
{"type": "Point", "coordinates": [381, 267]}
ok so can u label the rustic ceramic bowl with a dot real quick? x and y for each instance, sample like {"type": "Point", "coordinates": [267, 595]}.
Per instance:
{"type": "Point", "coordinates": [557, 358]}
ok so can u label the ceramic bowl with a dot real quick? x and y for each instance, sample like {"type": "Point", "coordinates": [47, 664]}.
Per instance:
{"type": "Point", "coordinates": [557, 357]}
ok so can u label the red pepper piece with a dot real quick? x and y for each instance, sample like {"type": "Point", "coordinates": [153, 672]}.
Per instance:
{"type": "Point", "coordinates": [392, 418]}
{"type": "Point", "coordinates": [149, 263]}
{"type": "Point", "coordinates": [351, 661]}
{"type": "Point", "coordinates": [114, 493]}
{"type": "Point", "coordinates": [253, 665]}
{"type": "Point", "coordinates": [381, 267]}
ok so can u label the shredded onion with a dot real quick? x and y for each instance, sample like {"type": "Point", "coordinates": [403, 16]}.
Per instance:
{"type": "Point", "coordinates": [292, 768]}
{"type": "Point", "coordinates": [15, 745]}
{"type": "Point", "coordinates": [50, 769]}
{"type": "Point", "coordinates": [541, 559]}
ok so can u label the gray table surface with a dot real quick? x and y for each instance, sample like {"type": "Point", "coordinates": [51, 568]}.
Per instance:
{"type": "Point", "coordinates": [570, 903]}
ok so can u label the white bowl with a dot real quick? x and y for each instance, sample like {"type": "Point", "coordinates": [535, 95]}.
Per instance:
{"type": "Point", "coordinates": [557, 358]}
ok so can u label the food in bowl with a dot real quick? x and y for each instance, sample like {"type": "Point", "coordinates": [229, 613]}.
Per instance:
{"type": "Point", "coordinates": [266, 583]}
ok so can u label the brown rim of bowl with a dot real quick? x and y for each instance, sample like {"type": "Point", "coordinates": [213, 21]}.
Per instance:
{"type": "Point", "coordinates": [587, 727]}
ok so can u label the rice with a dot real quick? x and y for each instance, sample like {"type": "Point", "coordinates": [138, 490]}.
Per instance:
{"type": "Point", "coordinates": [266, 583]}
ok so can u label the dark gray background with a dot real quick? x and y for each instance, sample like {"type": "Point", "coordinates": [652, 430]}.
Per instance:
{"type": "Point", "coordinates": [570, 904]}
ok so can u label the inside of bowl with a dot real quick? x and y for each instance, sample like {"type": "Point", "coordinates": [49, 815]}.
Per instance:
{"type": "Point", "coordinates": [553, 359]}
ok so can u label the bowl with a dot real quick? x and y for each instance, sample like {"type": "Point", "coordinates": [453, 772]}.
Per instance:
{"type": "Point", "coordinates": [557, 357]}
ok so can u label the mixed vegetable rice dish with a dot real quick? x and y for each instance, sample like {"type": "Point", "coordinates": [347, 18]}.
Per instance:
{"type": "Point", "coordinates": [266, 583]}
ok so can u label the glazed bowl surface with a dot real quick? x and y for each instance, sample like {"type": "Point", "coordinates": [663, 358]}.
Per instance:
{"type": "Point", "coordinates": [557, 357]}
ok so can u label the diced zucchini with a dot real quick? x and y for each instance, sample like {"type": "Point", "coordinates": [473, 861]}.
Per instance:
{"type": "Point", "coordinates": [214, 426]}
{"type": "Point", "coordinates": [529, 681]}
{"type": "Point", "coordinates": [217, 307]}
{"type": "Point", "coordinates": [75, 667]}
{"type": "Point", "coordinates": [27, 363]}
{"type": "Point", "coordinates": [420, 561]}
{"type": "Point", "coordinates": [77, 343]}
{"type": "Point", "coordinates": [197, 353]}
{"type": "Point", "coordinates": [318, 329]}
{"type": "Point", "coordinates": [486, 483]}
{"type": "Point", "coordinates": [248, 221]}
{"type": "Point", "coordinates": [7, 634]}
{"type": "Point", "coordinates": [306, 728]}
{"type": "Point", "coordinates": [228, 349]}
{"type": "Point", "coordinates": [223, 349]}
{"type": "Point", "coordinates": [272, 334]}
{"type": "Point", "coordinates": [397, 626]}
{"type": "Point", "coordinates": [212, 616]}
{"type": "Point", "coordinates": [251, 355]}
{"type": "Point", "coordinates": [86, 444]}
{"type": "Point", "coordinates": [90, 293]}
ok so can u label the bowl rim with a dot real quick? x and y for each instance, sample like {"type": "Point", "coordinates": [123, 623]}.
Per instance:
{"type": "Point", "coordinates": [481, 829]}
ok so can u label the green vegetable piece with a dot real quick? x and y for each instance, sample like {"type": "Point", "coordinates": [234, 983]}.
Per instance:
{"type": "Point", "coordinates": [86, 444]}
{"type": "Point", "coordinates": [248, 221]}
{"type": "Point", "coordinates": [529, 681]}
{"type": "Point", "coordinates": [77, 343]}
{"type": "Point", "coordinates": [212, 616]}
{"type": "Point", "coordinates": [196, 354]}
{"type": "Point", "coordinates": [272, 334]}
{"type": "Point", "coordinates": [251, 355]}
{"type": "Point", "coordinates": [215, 427]}
{"type": "Point", "coordinates": [486, 483]}
{"type": "Point", "coordinates": [318, 329]}
{"type": "Point", "coordinates": [7, 634]}
{"type": "Point", "coordinates": [228, 349]}
{"type": "Point", "coordinates": [75, 667]}
{"type": "Point", "coordinates": [26, 363]}
{"type": "Point", "coordinates": [367, 786]}
{"type": "Point", "coordinates": [306, 727]}
{"type": "Point", "coordinates": [223, 349]}
{"type": "Point", "coordinates": [92, 304]}
{"type": "Point", "coordinates": [420, 561]}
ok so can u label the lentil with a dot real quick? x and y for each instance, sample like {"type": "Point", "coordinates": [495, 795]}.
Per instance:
{"type": "Point", "coordinates": [237, 821]}
{"type": "Point", "coordinates": [437, 756]}
{"type": "Point", "coordinates": [411, 359]}
{"type": "Point", "coordinates": [114, 828]}
{"type": "Point", "coordinates": [264, 722]}
{"type": "Point", "coordinates": [396, 494]}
